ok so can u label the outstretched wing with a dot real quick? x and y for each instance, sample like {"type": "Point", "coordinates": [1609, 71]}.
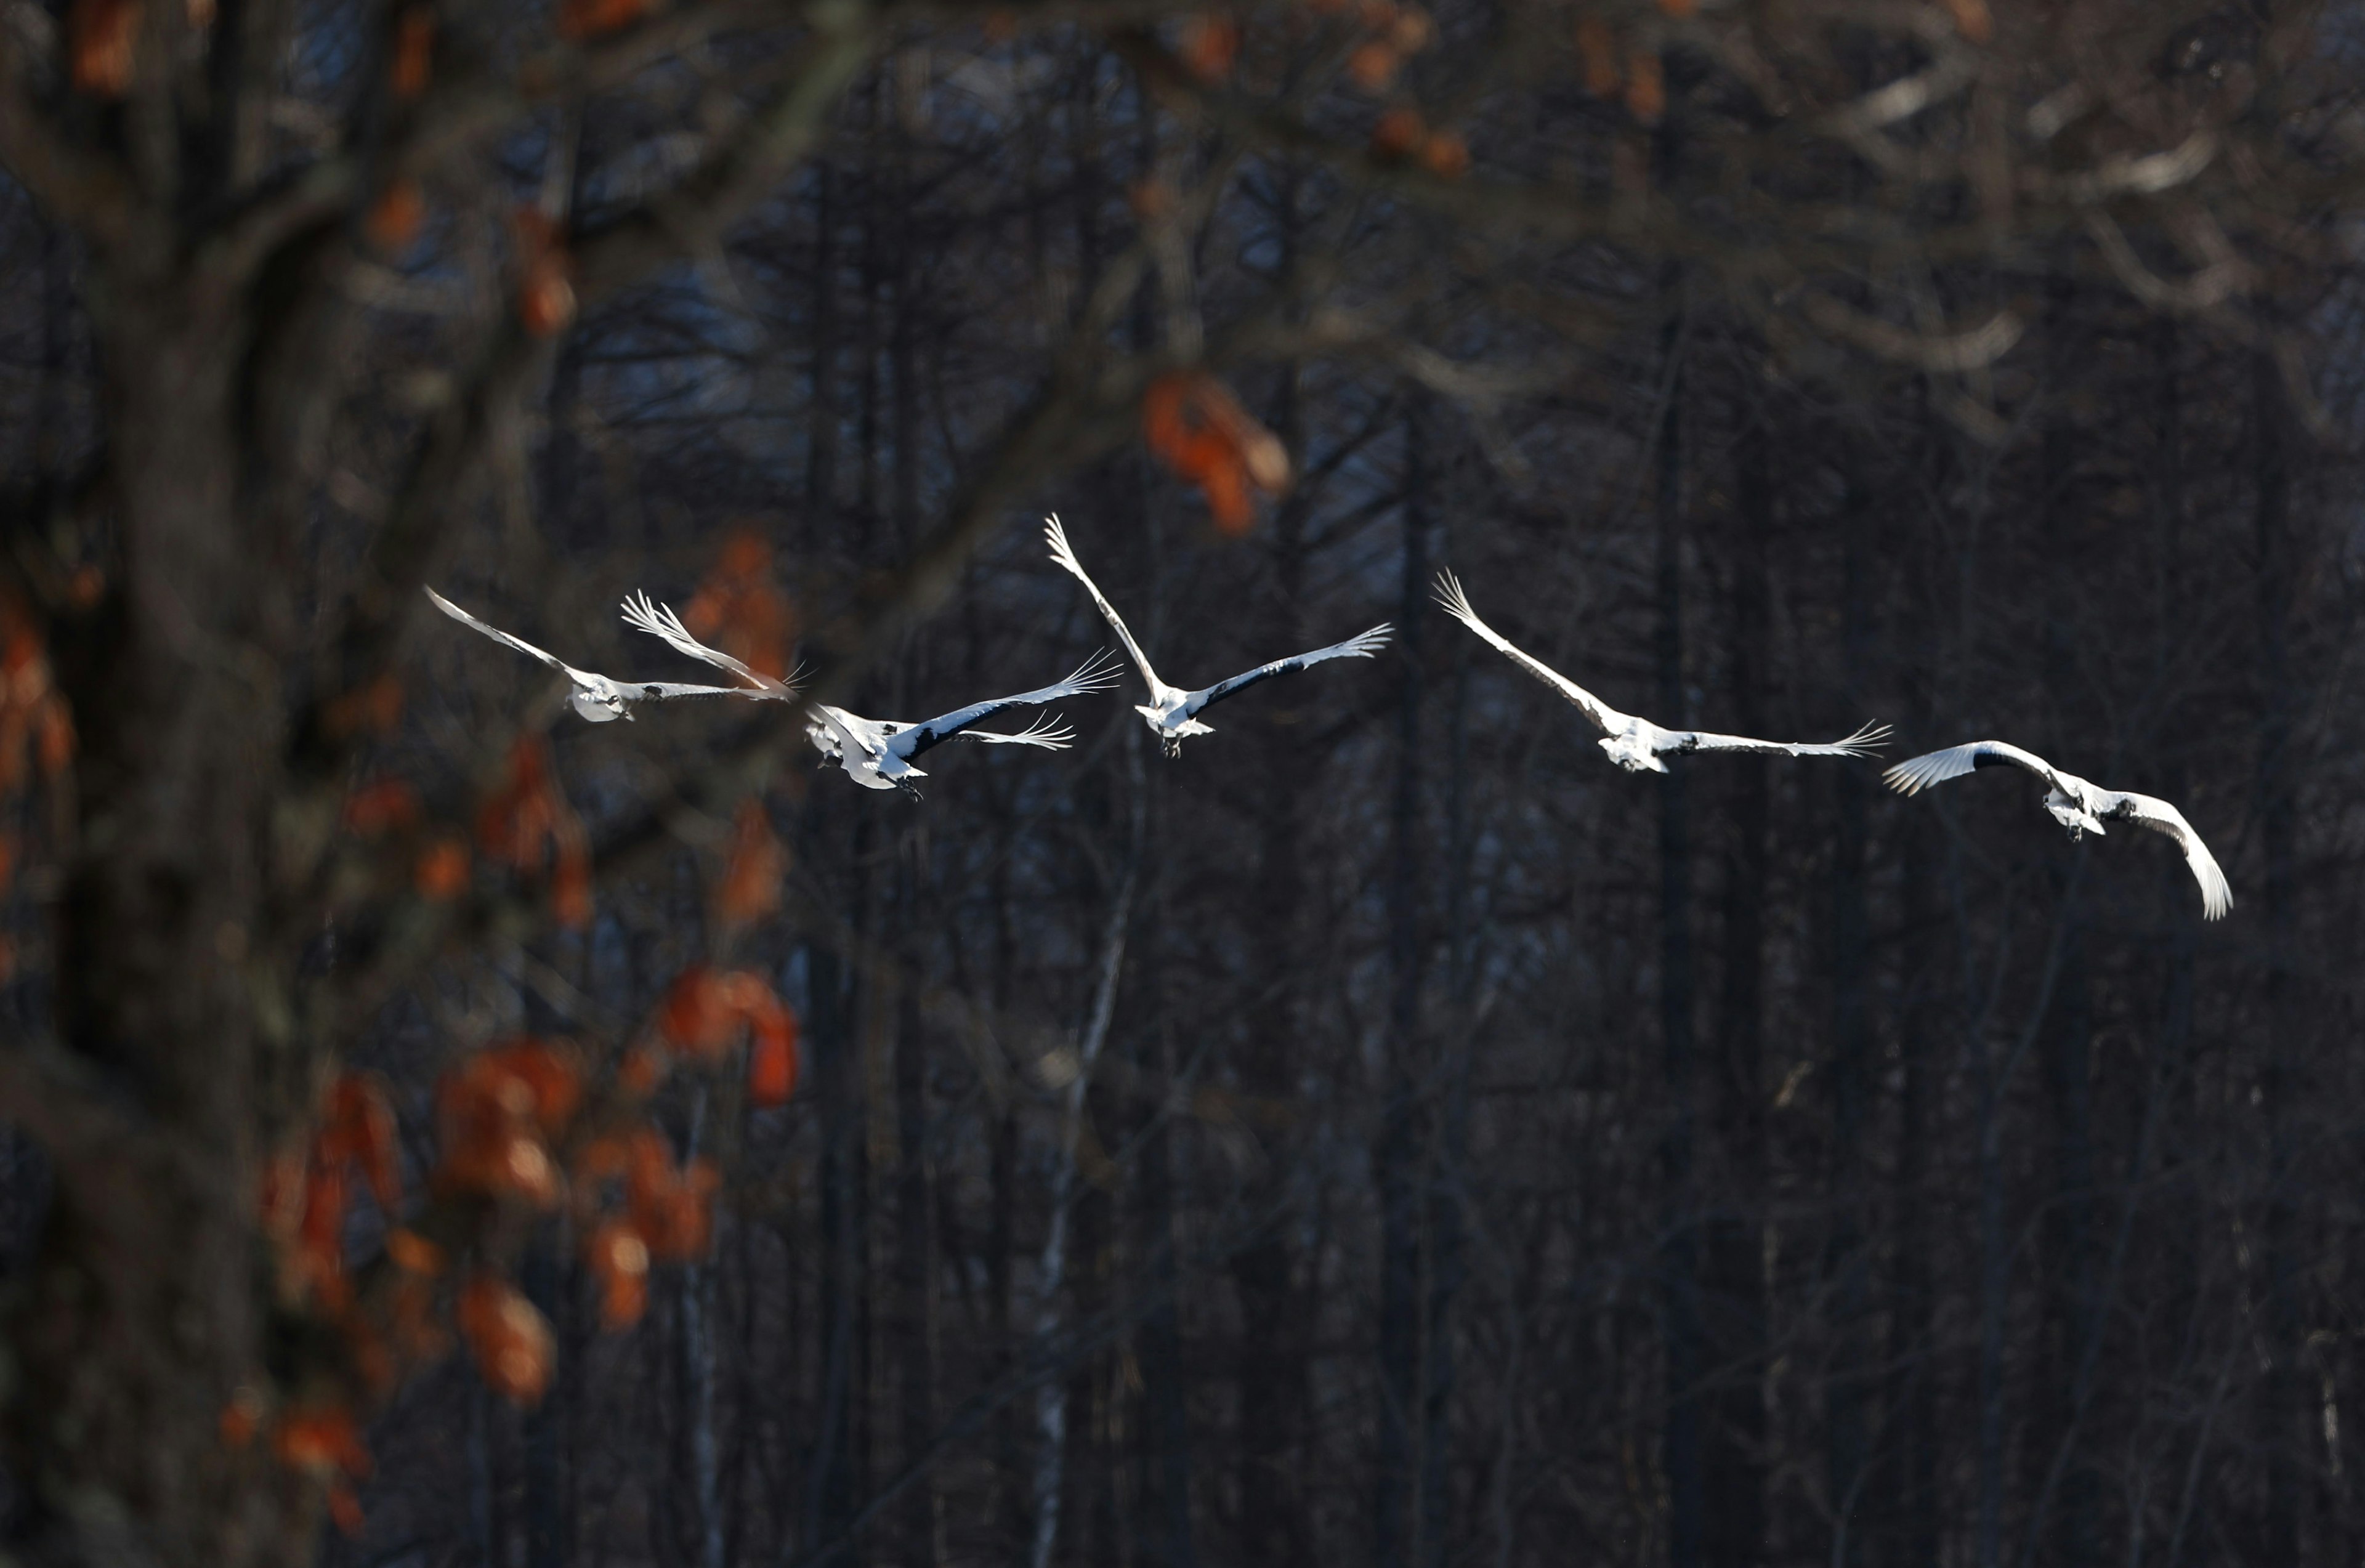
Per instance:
{"type": "Point", "coordinates": [1047, 731]}
{"type": "Point", "coordinates": [642, 614]}
{"type": "Point", "coordinates": [2217, 894]}
{"type": "Point", "coordinates": [1457, 604]}
{"type": "Point", "coordinates": [1918, 773]}
{"type": "Point", "coordinates": [1056, 533]}
{"type": "Point", "coordinates": [667, 691]}
{"type": "Point", "coordinates": [826, 725]}
{"type": "Point", "coordinates": [1096, 674]}
{"type": "Point", "coordinates": [497, 636]}
{"type": "Point", "coordinates": [1362, 646]}
{"type": "Point", "coordinates": [1866, 742]}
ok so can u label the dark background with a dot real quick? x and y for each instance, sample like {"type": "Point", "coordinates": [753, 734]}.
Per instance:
{"type": "Point", "coordinates": [1487, 1156]}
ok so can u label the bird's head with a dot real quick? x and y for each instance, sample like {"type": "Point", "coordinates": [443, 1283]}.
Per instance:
{"type": "Point", "coordinates": [600, 707]}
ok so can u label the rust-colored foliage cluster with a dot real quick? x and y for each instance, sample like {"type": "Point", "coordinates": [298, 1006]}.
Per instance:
{"type": "Point", "coordinates": [527, 815]}
{"type": "Point", "coordinates": [667, 1213]}
{"type": "Point", "coordinates": [1395, 33]}
{"type": "Point", "coordinates": [508, 1337]}
{"type": "Point", "coordinates": [1609, 67]}
{"type": "Point", "coordinates": [1402, 136]}
{"type": "Point", "coordinates": [1195, 424]}
{"type": "Point", "coordinates": [36, 726]}
{"type": "Point", "coordinates": [394, 219]}
{"type": "Point", "coordinates": [306, 1194]}
{"type": "Point", "coordinates": [704, 1013]}
{"type": "Point", "coordinates": [519, 1133]}
{"type": "Point", "coordinates": [741, 609]}
{"type": "Point", "coordinates": [592, 18]}
{"type": "Point", "coordinates": [414, 53]}
{"type": "Point", "coordinates": [497, 1116]}
{"type": "Point", "coordinates": [1210, 45]}
{"type": "Point", "coordinates": [752, 872]}
{"type": "Point", "coordinates": [545, 273]}
{"type": "Point", "coordinates": [101, 39]}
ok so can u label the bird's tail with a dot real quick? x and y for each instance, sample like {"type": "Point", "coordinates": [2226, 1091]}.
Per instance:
{"type": "Point", "coordinates": [1047, 731]}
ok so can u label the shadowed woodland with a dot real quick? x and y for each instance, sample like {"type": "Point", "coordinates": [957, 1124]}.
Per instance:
{"type": "Point", "coordinates": [435, 1131]}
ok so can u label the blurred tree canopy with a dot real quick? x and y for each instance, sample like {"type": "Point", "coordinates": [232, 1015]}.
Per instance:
{"type": "Point", "coordinates": [1380, 1133]}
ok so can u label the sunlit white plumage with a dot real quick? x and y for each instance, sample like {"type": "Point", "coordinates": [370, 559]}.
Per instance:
{"type": "Point", "coordinates": [2077, 804]}
{"type": "Point", "coordinates": [1637, 745]}
{"type": "Point", "coordinates": [596, 696]}
{"type": "Point", "coordinates": [876, 753]}
{"type": "Point", "coordinates": [1172, 713]}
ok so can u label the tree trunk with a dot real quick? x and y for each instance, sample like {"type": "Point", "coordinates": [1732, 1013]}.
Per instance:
{"type": "Point", "coordinates": [1732, 1305]}
{"type": "Point", "coordinates": [139, 1315]}
{"type": "Point", "coordinates": [1394, 1511]}
{"type": "Point", "coordinates": [1679, 1285]}
{"type": "Point", "coordinates": [1846, 1262]}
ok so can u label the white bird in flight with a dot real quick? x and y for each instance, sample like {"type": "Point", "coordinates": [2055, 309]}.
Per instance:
{"type": "Point", "coordinates": [1171, 713]}
{"type": "Point", "coordinates": [596, 697]}
{"type": "Point", "coordinates": [1637, 745]}
{"type": "Point", "coordinates": [2075, 804]}
{"type": "Point", "coordinates": [876, 753]}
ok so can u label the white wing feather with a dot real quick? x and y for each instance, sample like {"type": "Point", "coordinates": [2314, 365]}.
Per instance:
{"type": "Point", "coordinates": [2216, 893]}
{"type": "Point", "coordinates": [1457, 604]}
{"type": "Point", "coordinates": [1916, 774]}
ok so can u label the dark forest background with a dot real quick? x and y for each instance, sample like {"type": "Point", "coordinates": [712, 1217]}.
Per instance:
{"type": "Point", "coordinates": [1386, 1134]}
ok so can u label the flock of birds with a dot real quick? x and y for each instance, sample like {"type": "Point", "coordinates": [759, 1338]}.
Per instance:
{"type": "Point", "coordinates": [878, 753]}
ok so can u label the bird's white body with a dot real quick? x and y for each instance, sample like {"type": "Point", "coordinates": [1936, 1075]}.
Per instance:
{"type": "Point", "coordinates": [1635, 743]}
{"type": "Point", "coordinates": [596, 697]}
{"type": "Point", "coordinates": [1172, 713]}
{"type": "Point", "coordinates": [876, 753]}
{"type": "Point", "coordinates": [2079, 805]}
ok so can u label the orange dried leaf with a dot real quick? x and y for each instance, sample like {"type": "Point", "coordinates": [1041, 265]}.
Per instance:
{"type": "Point", "coordinates": [381, 807]}
{"type": "Point", "coordinates": [413, 1253]}
{"type": "Point", "coordinates": [1398, 135]}
{"type": "Point", "coordinates": [740, 607]}
{"type": "Point", "coordinates": [1412, 31]}
{"type": "Point", "coordinates": [1680, 9]}
{"type": "Point", "coordinates": [772, 1058]}
{"type": "Point", "coordinates": [242, 1417]}
{"type": "Point", "coordinates": [695, 1019]}
{"type": "Point", "coordinates": [590, 18]}
{"type": "Point", "coordinates": [1372, 64]}
{"type": "Point", "coordinates": [100, 37]}
{"type": "Point", "coordinates": [546, 299]}
{"type": "Point", "coordinates": [358, 1129]}
{"type": "Point", "coordinates": [414, 51]}
{"type": "Point", "coordinates": [1596, 49]}
{"type": "Point", "coordinates": [1447, 155]}
{"type": "Point", "coordinates": [1210, 46]}
{"type": "Point", "coordinates": [442, 872]}
{"type": "Point", "coordinates": [1972, 19]}
{"type": "Point", "coordinates": [619, 1261]}
{"type": "Point", "coordinates": [394, 217]}
{"type": "Point", "coordinates": [1150, 198]}
{"type": "Point", "coordinates": [345, 1509]}
{"type": "Point", "coordinates": [752, 873]}
{"type": "Point", "coordinates": [320, 1440]}
{"type": "Point", "coordinates": [641, 1072]}
{"type": "Point", "coordinates": [372, 709]}
{"type": "Point", "coordinates": [551, 1081]}
{"type": "Point", "coordinates": [510, 1338]}
{"type": "Point", "coordinates": [1646, 87]}
{"type": "Point", "coordinates": [56, 742]}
